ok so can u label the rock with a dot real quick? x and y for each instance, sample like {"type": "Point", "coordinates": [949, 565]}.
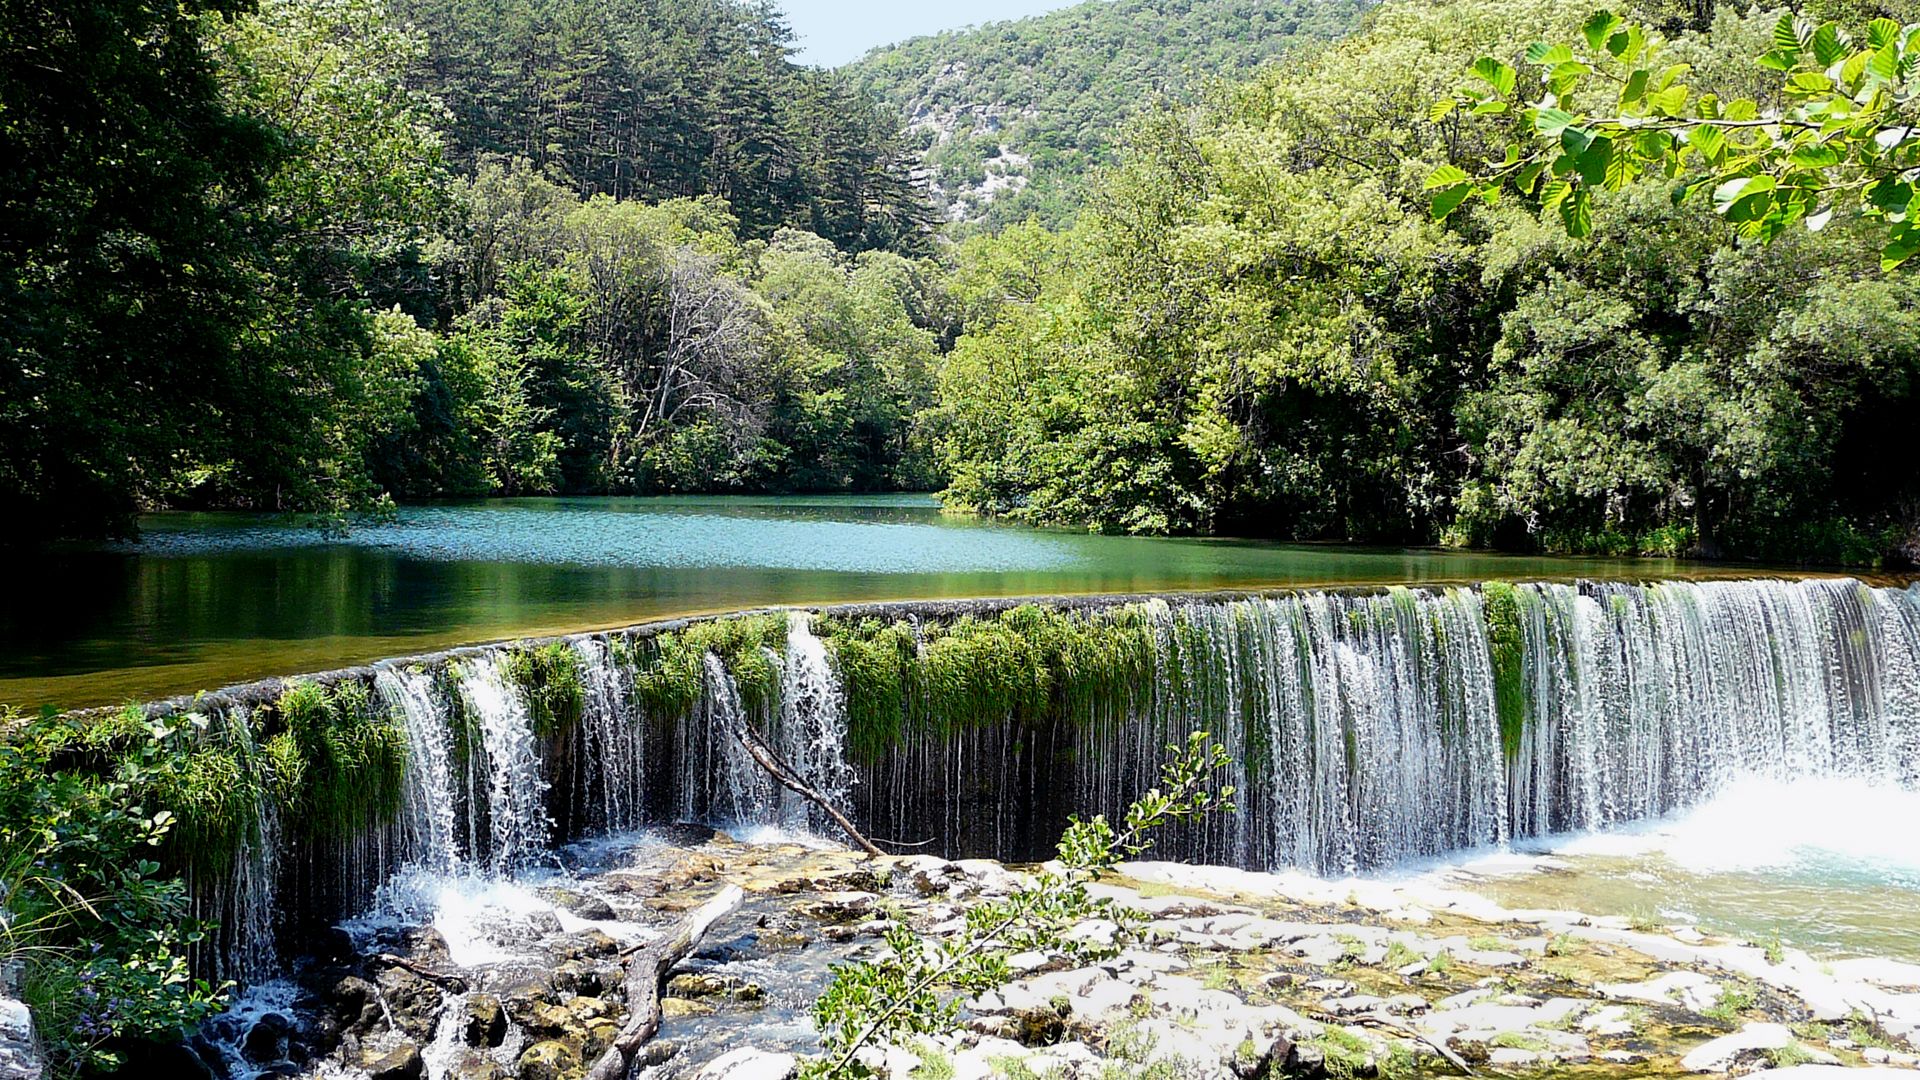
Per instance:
{"type": "Point", "coordinates": [747, 1063]}
{"type": "Point", "coordinates": [550, 1060]}
{"type": "Point", "coordinates": [518, 1000]}
{"type": "Point", "coordinates": [708, 985]}
{"type": "Point", "coordinates": [472, 1066]}
{"type": "Point", "coordinates": [1720, 1054]}
{"type": "Point", "coordinates": [1037, 1026]}
{"type": "Point", "coordinates": [587, 976]}
{"type": "Point", "coordinates": [1508, 1055]}
{"type": "Point", "coordinates": [1688, 988]}
{"type": "Point", "coordinates": [589, 944]}
{"type": "Point", "coordinates": [485, 1022]}
{"type": "Point", "coordinates": [412, 1002]}
{"type": "Point", "coordinates": [1622, 1057]}
{"type": "Point", "coordinates": [19, 1049]}
{"type": "Point", "coordinates": [838, 907]}
{"type": "Point", "coordinates": [403, 1063]}
{"type": "Point", "coordinates": [354, 1003]}
{"type": "Point", "coordinates": [267, 1039]}
{"type": "Point", "coordinates": [674, 1008]}
{"type": "Point", "coordinates": [581, 905]}
{"type": "Point", "coordinates": [1354, 1004]}
{"type": "Point", "coordinates": [1406, 1005]}
{"type": "Point", "coordinates": [1305, 1061]}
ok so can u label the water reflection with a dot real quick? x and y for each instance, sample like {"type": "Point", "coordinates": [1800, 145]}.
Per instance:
{"type": "Point", "coordinates": [208, 599]}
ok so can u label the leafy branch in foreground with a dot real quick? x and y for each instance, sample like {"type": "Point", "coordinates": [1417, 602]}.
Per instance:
{"type": "Point", "coordinates": [1846, 137]}
{"type": "Point", "coordinates": [915, 988]}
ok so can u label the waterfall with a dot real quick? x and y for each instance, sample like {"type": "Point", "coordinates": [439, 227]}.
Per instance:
{"type": "Point", "coordinates": [813, 726]}
{"type": "Point", "coordinates": [429, 815]}
{"type": "Point", "coordinates": [517, 824]}
{"type": "Point", "coordinates": [1364, 729]}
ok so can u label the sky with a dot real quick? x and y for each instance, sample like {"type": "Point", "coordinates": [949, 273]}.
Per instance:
{"type": "Point", "coordinates": [832, 32]}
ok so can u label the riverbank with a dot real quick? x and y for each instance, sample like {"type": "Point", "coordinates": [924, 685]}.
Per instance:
{"type": "Point", "coordinates": [1238, 974]}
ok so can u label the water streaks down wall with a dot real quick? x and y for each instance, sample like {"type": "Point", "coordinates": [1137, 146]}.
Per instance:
{"type": "Point", "coordinates": [1365, 728]}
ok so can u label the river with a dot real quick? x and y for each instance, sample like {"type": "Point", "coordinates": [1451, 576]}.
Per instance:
{"type": "Point", "coordinates": [204, 600]}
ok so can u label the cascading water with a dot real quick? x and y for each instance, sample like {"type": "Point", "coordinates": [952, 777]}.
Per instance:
{"type": "Point", "coordinates": [517, 823]}
{"type": "Point", "coordinates": [1365, 730]}
{"type": "Point", "coordinates": [813, 725]}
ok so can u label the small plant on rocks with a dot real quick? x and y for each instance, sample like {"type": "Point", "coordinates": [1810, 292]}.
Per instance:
{"type": "Point", "coordinates": [914, 988]}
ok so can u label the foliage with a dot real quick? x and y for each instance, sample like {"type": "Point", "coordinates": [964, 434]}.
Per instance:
{"type": "Point", "coordinates": [1030, 665]}
{"type": "Point", "coordinates": [552, 681]}
{"type": "Point", "coordinates": [1835, 132]}
{"type": "Point", "coordinates": [98, 931]}
{"type": "Point", "coordinates": [1501, 602]}
{"type": "Point", "coordinates": [1256, 328]}
{"type": "Point", "coordinates": [913, 989]}
{"type": "Point", "coordinates": [670, 669]}
{"type": "Point", "coordinates": [1014, 118]}
{"type": "Point", "coordinates": [350, 757]}
{"type": "Point", "coordinates": [668, 99]}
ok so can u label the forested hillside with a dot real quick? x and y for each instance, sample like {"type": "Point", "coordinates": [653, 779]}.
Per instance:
{"type": "Point", "coordinates": [315, 255]}
{"type": "Point", "coordinates": [320, 255]}
{"type": "Point", "coordinates": [1012, 117]}
{"type": "Point", "coordinates": [654, 99]}
{"type": "Point", "coordinates": [1257, 328]}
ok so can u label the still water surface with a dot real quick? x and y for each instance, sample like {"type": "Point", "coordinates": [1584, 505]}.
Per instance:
{"type": "Point", "coordinates": [210, 599]}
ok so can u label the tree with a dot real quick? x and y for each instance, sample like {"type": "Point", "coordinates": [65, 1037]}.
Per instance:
{"type": "Point", "coordinates": [1840, 131]}
{"type": "Point", "coordinates": [127, 181]}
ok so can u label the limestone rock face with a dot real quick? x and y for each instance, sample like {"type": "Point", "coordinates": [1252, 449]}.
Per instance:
{"type": "Point", "coordinates": [19, 1051]}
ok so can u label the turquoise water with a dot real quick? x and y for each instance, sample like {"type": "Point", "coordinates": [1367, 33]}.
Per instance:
{"type": "Point", "coordinates": [210, 599]}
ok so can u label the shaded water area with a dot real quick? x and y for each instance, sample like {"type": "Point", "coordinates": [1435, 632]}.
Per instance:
{"type": "Point", "coordinates": [1368, 730]}
{"type": "Point", "coordinates": [210, 599]}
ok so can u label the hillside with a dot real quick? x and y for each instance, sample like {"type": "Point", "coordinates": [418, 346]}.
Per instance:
{"type": "Point", "coordinates": [1011, 116]}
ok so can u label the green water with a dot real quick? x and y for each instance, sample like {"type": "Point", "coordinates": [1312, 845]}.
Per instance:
{"type": "Point", "coordinates": [210, 599]}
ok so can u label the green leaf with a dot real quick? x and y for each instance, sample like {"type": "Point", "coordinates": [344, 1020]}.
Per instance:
{"type": "Point", "coordinates": [1496, 74]}
{"type": "Point", "coordinates": [1811, 82]}
{"type": "Point", "coordinates": [1555, 194]}
{"type": "Point", "coordinates": [1786, 34]}
{"type": "Point", "coordinates": [1882, 33]}
{"type": "Point", "coordinates": [1707, 139]}
{"type": "Point", "coordinates": [1529, 177]}
{"type": "Point", "coordinates": [1815, 156]}
{"type": "Point", "coordinates": [1440, 110]}
{"type": "Point", "coordinates": [1599, 28]}
{"type": "Point", "coordinates": [1595, 160]}
{"type": "Point", "coordinates": [1548, 55]}
{"type": "Point", "coordinates": [1885, 64]}
{"type": "Point", "coordinates": [1854, 68]}
{"type": "Point", "coordinates": [1905, 242]}
{"type": "Point", "coordinates": [1732, 191]}
{"type": "Point", "coordinates": [1828, 47]}
{"type": "Point", "coordinates": [1575, 140]}
{"type": "Point", "coordinates": [1636, 87]}
{"type": "Point", "coordinates": [1890, 196]}
{"type": "Point", "coordinates": [1742, 109]}
{"type": "Point", "coordinates": [1446, 176]}
{"type": "Point", "coordinates": [1627, 44]}
{"type": "Point", "coordinates": [1779, 60]}
{"type": "Point", "coordinates": [1669, 102]}
{"type": "Point", "coordinates": [1577, 214]}
{"type": "Point", "coordinates": [1551, 122]}
{"type": "Point", "coordinates": [1448, 200]}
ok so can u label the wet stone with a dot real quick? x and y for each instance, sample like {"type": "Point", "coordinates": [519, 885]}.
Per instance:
{"type": "Point", "coordinates": [486, 1021]}
{"type": "Point", "coordinates": [551, 1060]}
{"type": "Point", "coordinates": [709, 985]}
{"type": "Point", "coordinates": [400, 1064]}
{"type": "Point", "coordinates": [581, 904]}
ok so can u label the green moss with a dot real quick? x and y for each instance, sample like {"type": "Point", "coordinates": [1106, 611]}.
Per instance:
{"type": "Point", "coordinates": [1029, 665]}
{"type": "Point", "coordinates": [349, 753]}
{"type": "Point", "coordinates": [1501, 602]}
{"type": "Point", "coordinates": [214, 795]}
{"type": "Point", "coordinates": [554, 685]}
{"type": "Point", "coordinates": [669, 669]}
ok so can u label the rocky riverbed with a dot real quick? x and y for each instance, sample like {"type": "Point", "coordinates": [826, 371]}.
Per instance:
{"type": "Point", "coordinates": [1240, 975]}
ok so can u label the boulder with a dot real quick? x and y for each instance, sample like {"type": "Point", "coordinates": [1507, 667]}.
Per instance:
{"type": "Point", "coordinates": [401, 1063]}
{"type": "Point", "coordinates": [747, 1063]}
{"type": "Point", "coordinates": [1721, 1054]}
{"type": "Point", "coordinates": [551, 1059]}
{"type": "Point", "coordinates": [485, 1021]}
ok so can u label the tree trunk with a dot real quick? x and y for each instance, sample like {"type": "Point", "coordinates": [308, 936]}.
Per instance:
{"type": "Point", "coordinates": [647, 972]}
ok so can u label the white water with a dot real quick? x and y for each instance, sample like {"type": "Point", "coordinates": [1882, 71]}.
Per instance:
{"type": "Point", "coordinates": [516, 813]}
{"type": "Point", "coordinates": [813, 725]}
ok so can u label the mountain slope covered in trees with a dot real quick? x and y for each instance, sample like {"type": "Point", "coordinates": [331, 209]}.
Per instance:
{"type": "Point", "coordinates": [1012, 116]}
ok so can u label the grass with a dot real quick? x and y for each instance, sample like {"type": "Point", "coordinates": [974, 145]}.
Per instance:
{"type": "Point", "coordinates": [1735, 999]}
{"type": "Point", "coordinates": [1783, 1057]}
{"type": "Point", "coordinates": [1399, 955]}
{"type": "Point", "coordinates": [1565, 945]}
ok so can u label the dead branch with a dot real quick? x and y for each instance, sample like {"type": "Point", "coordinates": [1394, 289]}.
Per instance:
{"type": "Point", "coordinates": [647, 973]}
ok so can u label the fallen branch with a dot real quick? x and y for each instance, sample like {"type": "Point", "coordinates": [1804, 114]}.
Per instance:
{"type": "Point", "coordinates": [1376, 1020]}
{"type": "Point", "coordinates": [647, 973]}
{"type": "Point", "coordinates": [790, 780]}
{"type": "Point", "coordinates": [438, 978]}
